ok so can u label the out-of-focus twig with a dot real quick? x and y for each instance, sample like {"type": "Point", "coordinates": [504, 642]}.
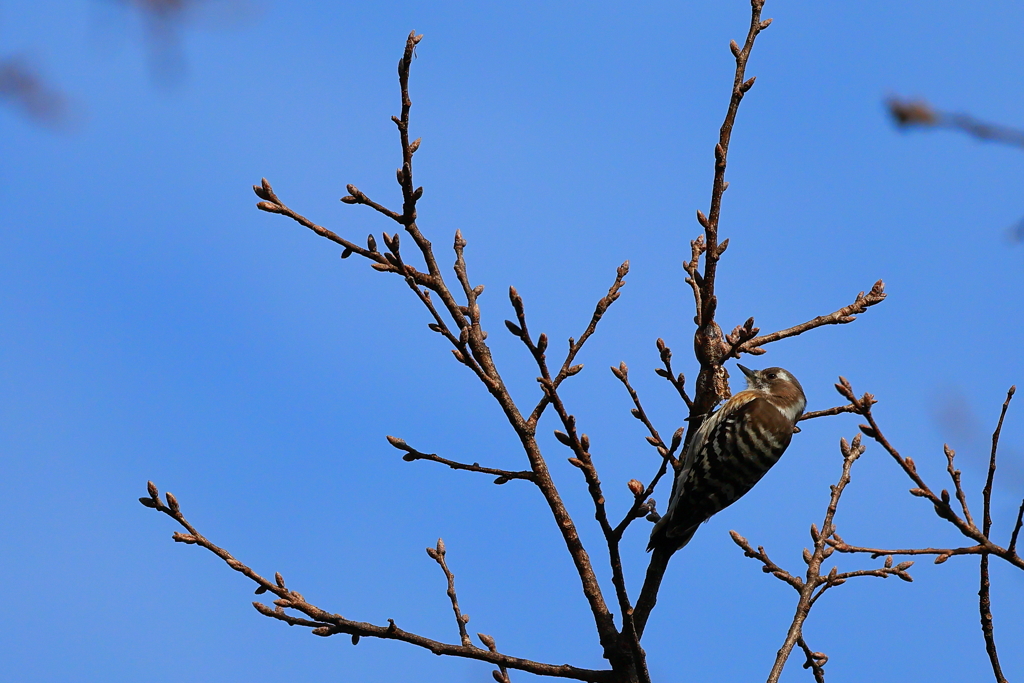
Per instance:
{"type": "Point", "coordinates": [919, 114]}
{"type": "Point", "coordinates": [23, 87]}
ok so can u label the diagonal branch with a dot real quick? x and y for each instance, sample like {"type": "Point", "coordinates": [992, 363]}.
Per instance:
{"type": "Point", "coordinates": [919, 113]}
{"type": "Point", "coordinates": [677, 381]}
{"type": "Point", "coordinates": [503, 476]}
{"type": "Point", "coordinates": [940, 502]}
{"type": "Point", "coordinates": [325, 624]}
{"type": "Point", "coordinates": [846, 314]}
{"type": "Point", "coordinates": [816, 661]}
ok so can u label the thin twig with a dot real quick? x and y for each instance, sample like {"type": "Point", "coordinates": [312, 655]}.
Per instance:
{"type": "Point", "coordinates": [954, 474]}
{"type": "Point", "coordinates": [940, 502]}
{"type": "Point", "coordinates": [503, 476]}
{"type": "Point", "coordinates": [984, 596]}
{"type": "Point", "coordinates": [677, 381]}
{"type": "Point", "coordinates": [816, 661]}
{"type": "Point", "coordinates": [838, 410]}
{"type": "Point", "coordinates": [846, 314]}
{"type": "Point", "coordinates": [324, 623]}
{"type": "Point", "coordinates": [437, 554]}
{"type": "Point", "coordinates": [1016, 529]}
{"type": "Point", "coordinates": [814, 585]}
{"type": "Point", "coordinates": [942, 554]}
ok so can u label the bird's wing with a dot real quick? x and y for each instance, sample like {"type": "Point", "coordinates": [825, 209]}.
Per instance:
{"type": "Point", "coordinates": [698, 442]}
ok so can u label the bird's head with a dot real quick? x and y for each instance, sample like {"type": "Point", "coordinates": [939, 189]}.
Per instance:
{"type": "Point", "coordinates": [778, 386]}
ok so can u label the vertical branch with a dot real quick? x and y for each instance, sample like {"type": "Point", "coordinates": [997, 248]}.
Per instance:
{"type": "Point", "coordinates": [437, 554]}
{"type": "Point", "coordinates": [708, 341]}
{"type": "Point", "coordinates": [984, 591]}
{"type": "Point", "coordinates": [712, 385]}
{"type": "Point", "coordinates": [987, 492]}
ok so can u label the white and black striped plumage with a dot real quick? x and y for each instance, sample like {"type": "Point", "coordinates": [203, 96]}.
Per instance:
{"type": "Point", "coordinates": [730, 453]}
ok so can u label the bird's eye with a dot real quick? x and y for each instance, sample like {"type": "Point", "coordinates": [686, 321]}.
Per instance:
{"type": "Point", "coordinates": [772, 375]}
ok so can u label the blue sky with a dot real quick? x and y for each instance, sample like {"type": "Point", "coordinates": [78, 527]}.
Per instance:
{"type": "Point", "coordinates": [154, 325]}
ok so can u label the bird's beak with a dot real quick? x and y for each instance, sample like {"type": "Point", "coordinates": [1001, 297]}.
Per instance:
{"type": "Point", "coordinates": [746, 371]}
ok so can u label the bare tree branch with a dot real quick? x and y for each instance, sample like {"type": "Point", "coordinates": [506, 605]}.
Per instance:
{"type": "Point", "coordinates": [503, 476]}
{"type": "Point", "coordinates": [814, 585]}
{"type": "Point", "coordinates": [816, 661]}
{"type": "Point", "coordinates": [324, 623]}
{"type": "Point", "coordinates": [846, 314]}
{"type": "Point", "coordinates": [470, 347]}
{"type": "Point", "coordinates": [677, 381]}
{"type": "Point", "coordinates": [984, 597]}
{"type": "Point", "coordinates": [712, 385]}
{"type": "Point", "coordinates": [941, 502]}
{"type": "Point", "coordinates": [437, 554]}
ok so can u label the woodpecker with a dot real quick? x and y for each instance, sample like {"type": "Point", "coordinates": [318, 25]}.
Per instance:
{"type": "Point", "coordinates": [730, 452]}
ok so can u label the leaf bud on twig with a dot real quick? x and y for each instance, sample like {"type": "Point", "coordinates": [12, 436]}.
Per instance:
{"type": "Point", "coordinates": [440, 547]}
{"type": "Point", "coordinates": [414, 145]}
{"type": "Point", "coordinates": [172, 502]}
{"type": "Point", "coordinates": [635, 486]}
{"type": "Point", "coordinates": [677, 438]}
{"type": "Point", "coordinates": [154, 493]}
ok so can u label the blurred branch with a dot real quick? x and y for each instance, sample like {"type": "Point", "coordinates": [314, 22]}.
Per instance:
{"type": "Point", "coordinates": [23, 87]}
{"type": "Point", "coordinates": [323, 623]}
{"type": "Point", "coordinates": [920, 114]}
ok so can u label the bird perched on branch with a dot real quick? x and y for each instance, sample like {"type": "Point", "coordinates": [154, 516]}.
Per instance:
{"type": "Point", "coordinates": [730, 452]}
